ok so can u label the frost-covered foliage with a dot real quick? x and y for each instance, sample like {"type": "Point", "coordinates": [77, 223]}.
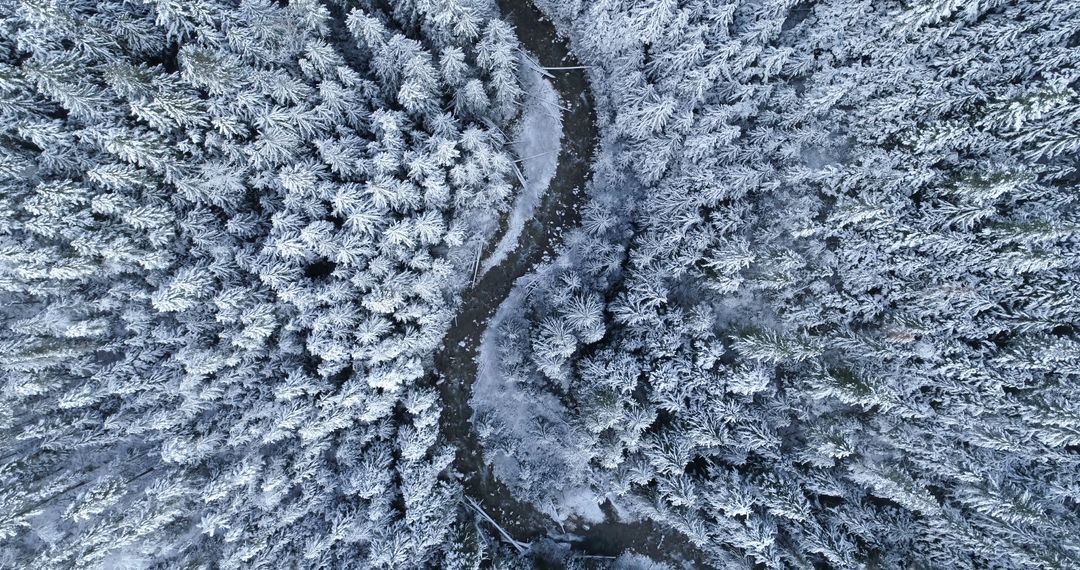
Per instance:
{"type": "Point", "coordinates": [231, 232]}
{"type": "Point", "coordinates": [822, 309]}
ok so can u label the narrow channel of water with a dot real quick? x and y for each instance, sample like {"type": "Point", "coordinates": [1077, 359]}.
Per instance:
{"type": "Point", "coordinates": [559, 209]}
{"type": "Point", "coordinates": [541, 237]}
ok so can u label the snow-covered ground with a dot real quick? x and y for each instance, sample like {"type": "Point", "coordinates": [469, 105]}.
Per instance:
{"type": "Point", "coordinates": [536, 142]}
{"type": "Point", "coordinates": [492, 391]}
{"type": "Point", "coordinates": [517, 410]}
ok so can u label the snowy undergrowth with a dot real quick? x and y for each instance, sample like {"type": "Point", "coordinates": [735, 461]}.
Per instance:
{"type": "Point", "coordinates": [507, 412]}
{"type": "Point", "coordinates": [537, 142]}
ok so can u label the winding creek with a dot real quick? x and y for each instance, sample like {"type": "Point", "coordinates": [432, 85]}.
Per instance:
{"type": "Point", "coordinates": [455, 363]}
{"type": "Point", "coordinates": [559, 209]}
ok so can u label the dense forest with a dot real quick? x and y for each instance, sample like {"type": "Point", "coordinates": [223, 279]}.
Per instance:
{"type": "Point", "coordinates": [822, 307]}
{"type": "Point", "coordinates": [821, 310]}
{"type": "Point", "coordinates": [231, 235]}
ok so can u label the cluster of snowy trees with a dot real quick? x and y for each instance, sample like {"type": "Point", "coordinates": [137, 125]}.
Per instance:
{"type": "Point", "coordinates": [232, 233]}
{"type": "Point", "coordinates": [822, 309]}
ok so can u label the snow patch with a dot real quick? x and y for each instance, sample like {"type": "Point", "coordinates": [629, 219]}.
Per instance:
{"type": "Point", "coordinates": [631, 561]}
{"type": "Point", "coordinates": [580, 502]}
{"type": "Point", "coordinates": [492, 391]}
{"type": "Point", "coordinates": [537, 143]}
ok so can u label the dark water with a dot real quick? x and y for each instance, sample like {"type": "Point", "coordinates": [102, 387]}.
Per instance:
{"type": "Point", "coordinates": [540, 238]}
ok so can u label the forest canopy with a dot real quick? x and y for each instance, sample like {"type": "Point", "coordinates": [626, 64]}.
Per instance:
{"type": "Point", "coordinates": [821, 308]}
{"type": "Point", "coordinates": [230, 235]}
